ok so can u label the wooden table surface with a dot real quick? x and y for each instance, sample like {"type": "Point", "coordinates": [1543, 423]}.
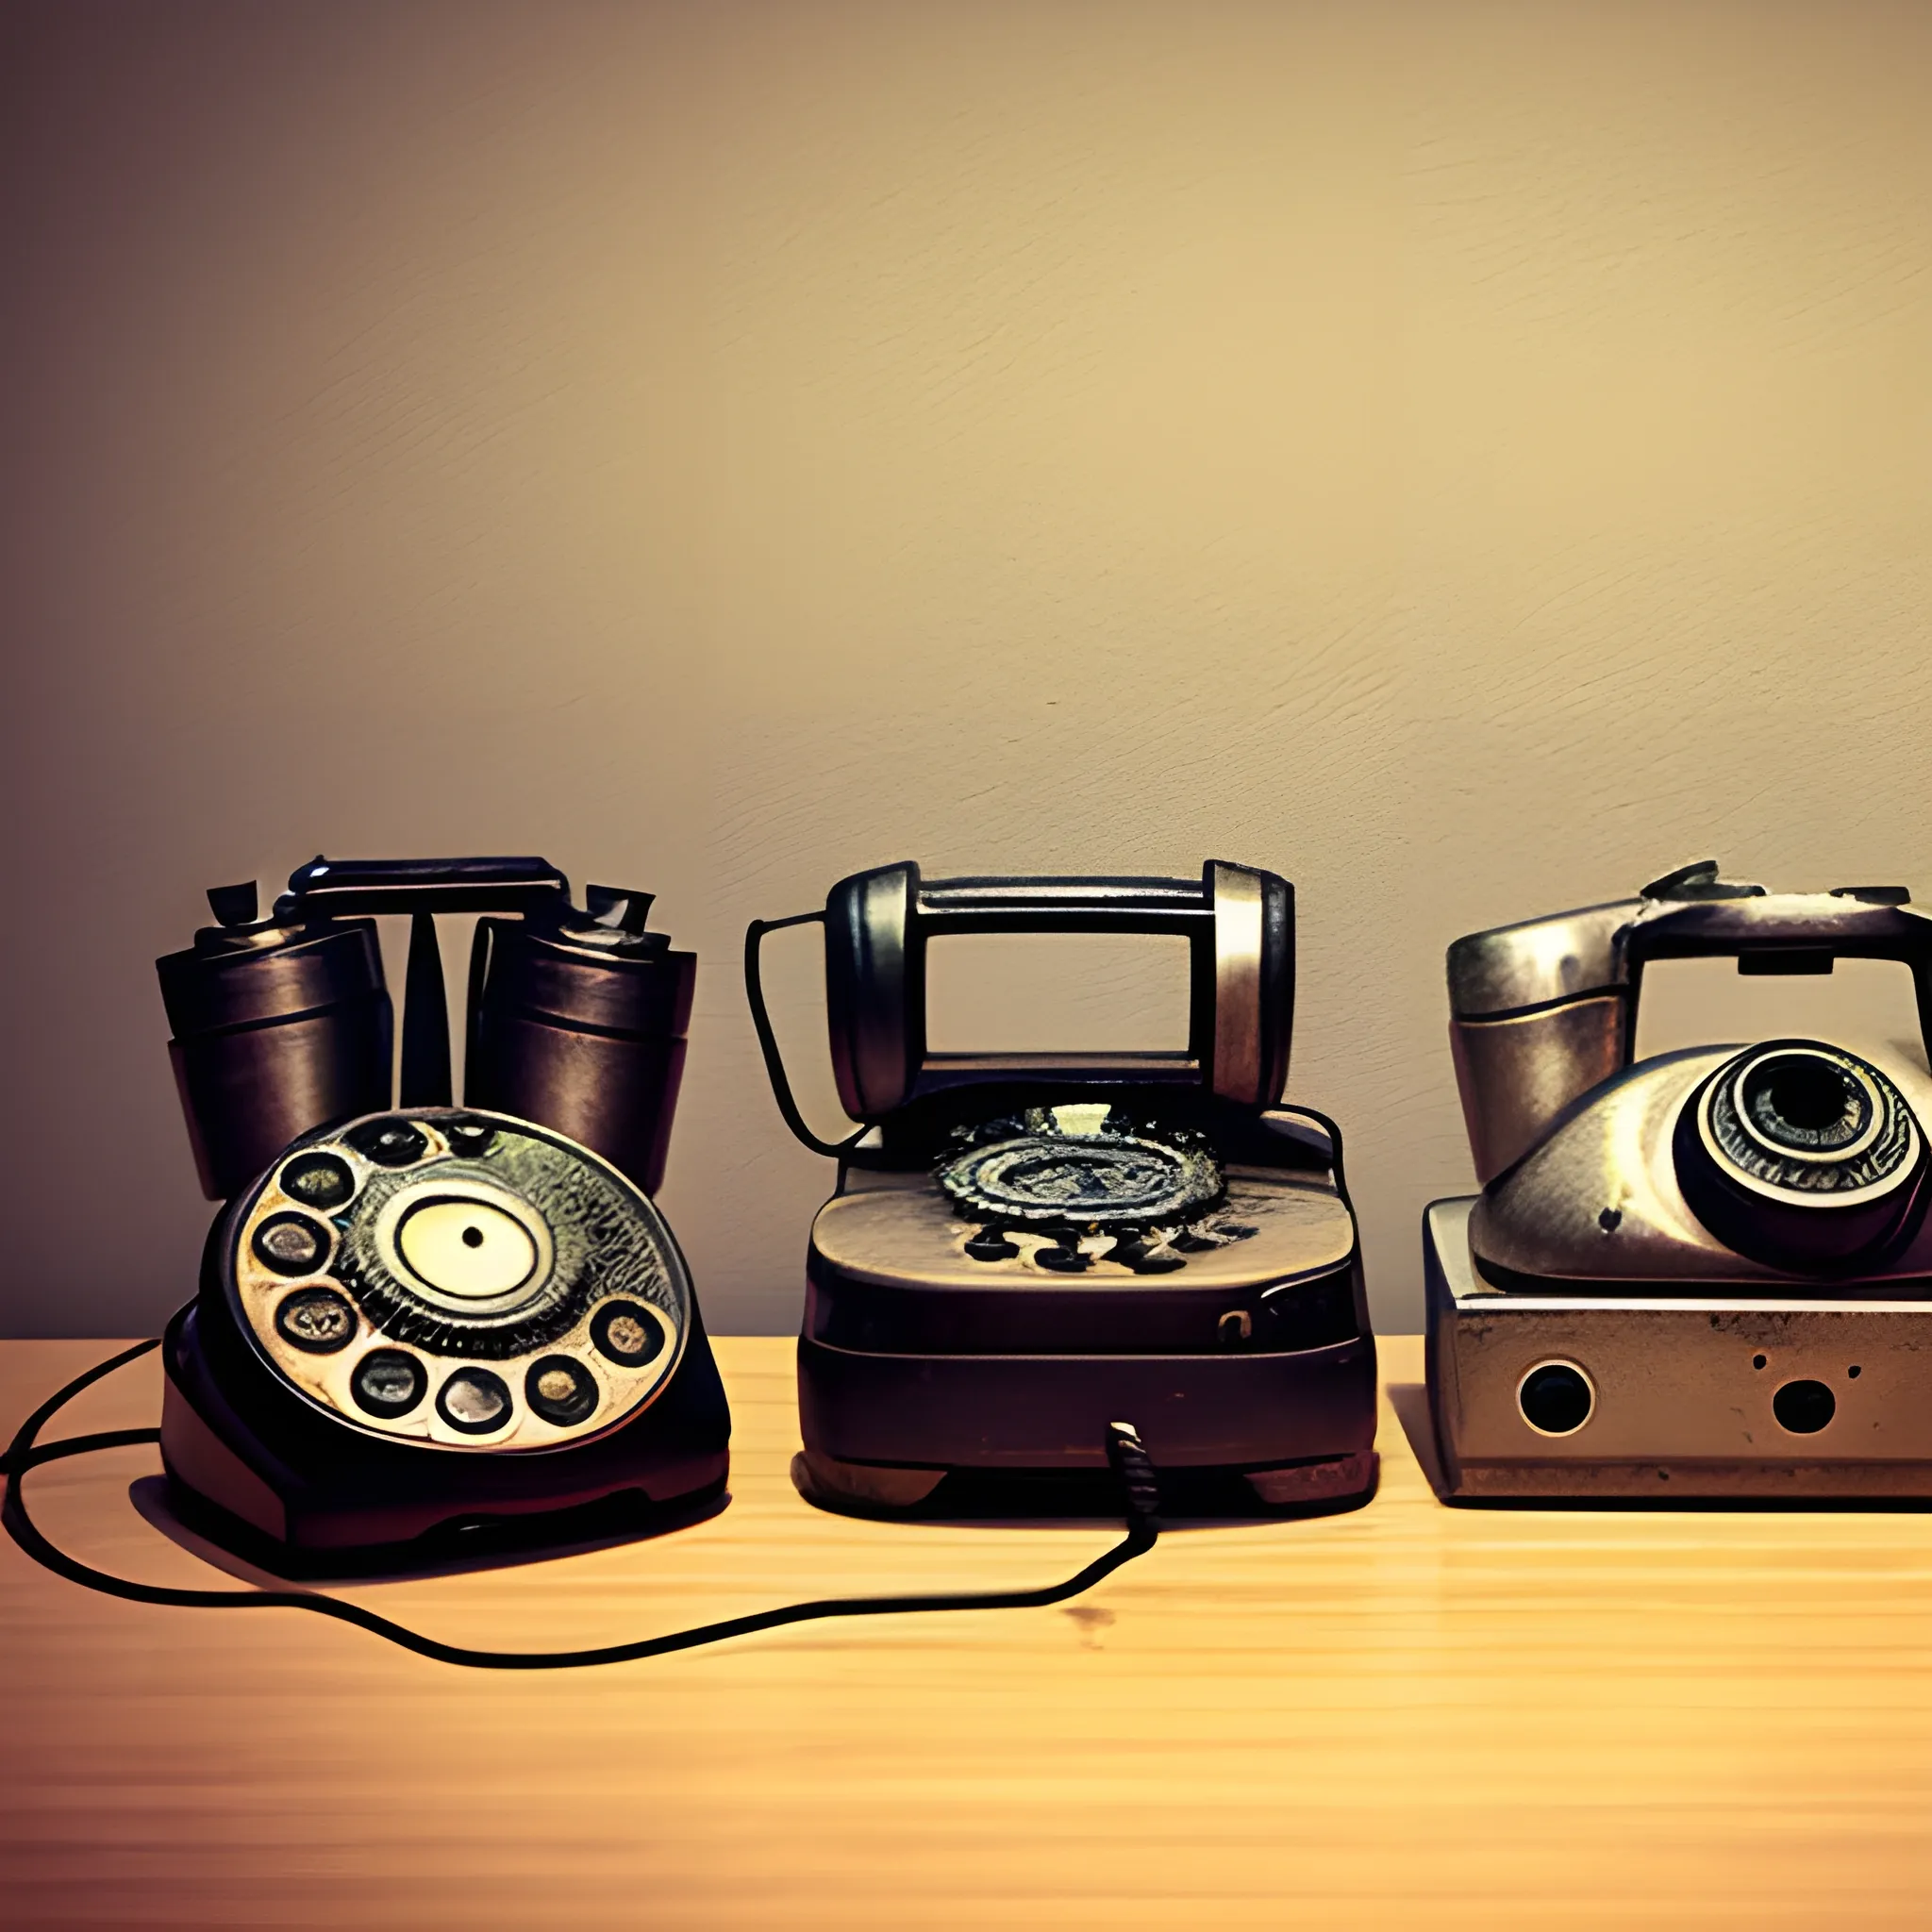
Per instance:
{"type": "Point", "coordinates": [1405, 1715]}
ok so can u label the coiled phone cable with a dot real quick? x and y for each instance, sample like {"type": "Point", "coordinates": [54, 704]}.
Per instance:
{"type": "Point", "coordinates": [1124, 1452]}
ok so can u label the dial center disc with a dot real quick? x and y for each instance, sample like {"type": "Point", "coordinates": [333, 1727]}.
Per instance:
{"type": "Point", "coordinates": [463, 1244]}
{"type": "Point", "coordinates": [469, 1250]}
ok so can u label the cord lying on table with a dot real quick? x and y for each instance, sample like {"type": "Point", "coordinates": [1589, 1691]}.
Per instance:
{"type": "Point", "coordinates": [1125, 1453]}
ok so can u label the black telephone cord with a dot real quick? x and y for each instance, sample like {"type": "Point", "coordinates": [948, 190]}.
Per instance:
{"type": "Point", "coordinates": [1124, 1448]}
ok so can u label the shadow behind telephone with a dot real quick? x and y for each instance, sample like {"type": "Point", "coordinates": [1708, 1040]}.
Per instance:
{"type": "Point", "coordinates": [416, 1318]}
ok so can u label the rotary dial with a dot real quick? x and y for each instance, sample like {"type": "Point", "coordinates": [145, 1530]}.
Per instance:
{"type": "Point", "coordinates": [1084, 1165]}
{"type": "Point", "coordinates": [458, 1278]}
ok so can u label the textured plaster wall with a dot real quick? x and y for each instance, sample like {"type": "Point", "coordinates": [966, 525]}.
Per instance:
{"type": "Point", "coordinates": [1468, 457]}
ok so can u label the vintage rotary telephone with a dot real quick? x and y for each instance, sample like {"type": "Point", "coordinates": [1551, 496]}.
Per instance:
{"type": "Point", "coordinates": [423, 1329]}
{"type": "Point", "coordinates": [419, 1319]}
{"type": "Point", "coordinates": [1704, 1272]}
{"type": "Point", "coordinates": [1024, 1244]}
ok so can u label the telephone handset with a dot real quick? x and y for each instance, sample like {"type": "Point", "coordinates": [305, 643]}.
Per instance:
{"type": "Point", "coordinates": [418, 1317]}
{"type": "Point", "coordinates": [1239, 923]}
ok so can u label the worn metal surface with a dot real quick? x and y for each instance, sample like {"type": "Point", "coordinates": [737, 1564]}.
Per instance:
{"type": "Point", "coordinates": [1600, 1200]}
{"type": "Point", "coordinates": [1517, 1073]}
{"type": "Point", "coordinates": [1684, 1386]}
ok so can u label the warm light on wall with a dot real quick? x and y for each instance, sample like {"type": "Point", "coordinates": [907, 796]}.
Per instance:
{"type": "Point", "coordinates": [1465, 458]}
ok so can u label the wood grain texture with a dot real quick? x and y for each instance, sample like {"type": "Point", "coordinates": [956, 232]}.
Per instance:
{"type": "Point", "coordinates": [1405, 1715]}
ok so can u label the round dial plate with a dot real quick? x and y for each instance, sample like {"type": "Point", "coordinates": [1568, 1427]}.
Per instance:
{"type": "Point", "coordinates": [1079, 1166]}
{"type": "Point", "coordinates": [446, 1276]}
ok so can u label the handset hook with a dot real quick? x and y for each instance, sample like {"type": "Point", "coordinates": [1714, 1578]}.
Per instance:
{"type": "Point", "coordinates": [768, 1041]}
{"type": "Point", "coordinates": [420, 888]}
{"type": "Point", "coordinates": [1693, 914]}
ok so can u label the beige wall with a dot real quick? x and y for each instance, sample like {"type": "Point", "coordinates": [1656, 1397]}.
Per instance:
{"type": "Point", "coordinates": [1468, 457]}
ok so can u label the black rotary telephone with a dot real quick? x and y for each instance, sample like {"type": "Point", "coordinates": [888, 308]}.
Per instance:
{"type": "Point", "coordinates": [417, 1318]}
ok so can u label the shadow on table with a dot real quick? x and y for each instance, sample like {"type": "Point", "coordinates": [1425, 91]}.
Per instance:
{"type": "Point", "coordinates": [252, 1558]}
{"type": "Point", "coordinates": [1410, 1402]}
{"type": "Point", "coordinates": [1059, 1500]}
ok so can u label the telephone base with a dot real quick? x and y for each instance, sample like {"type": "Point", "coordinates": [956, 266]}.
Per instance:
{"type": "Point", "coordinates": [254, 1468]}
{"type": "Point", "coordinates": [1668, 1393]}
{"type": "Point", "coordinates": [1241, 1434]}
{"type": "Point", "coordinates": [461, 1543]}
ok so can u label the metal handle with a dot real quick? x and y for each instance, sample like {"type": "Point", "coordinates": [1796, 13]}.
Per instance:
{"type": "Point", "coordinates": [339, 887]}
{"type": "Point", "coordinates": [1836, 925]}
{"type": "Point", "coordinates": [1787, 933]}
{"type": "Point", "coordinates": [1063, 905]}
{"type": "Point", "coordinates": [422, 888]}
{"type": "Point", "coordinates": [1545, 1011]}
{"type": "Point", "coordinates": [1239, 923]}
{"type": "Point", "coordinates": [768, 1041]}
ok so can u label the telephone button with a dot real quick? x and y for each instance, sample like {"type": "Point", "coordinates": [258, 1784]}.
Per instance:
{"type": "Point", "coordinates": [1146, 1261]}
{"type": "Point", "coordinates": [1063, 1260]}
{"type": "Point", "coordinates": [467, 1137]}
{"type": "Point", "coordinates": [627, 1334]}
{"type": "Point", "coordinates": [318, 1180]}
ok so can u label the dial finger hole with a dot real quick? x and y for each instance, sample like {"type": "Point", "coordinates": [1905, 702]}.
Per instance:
{"type": "Point", "coordinates": [389, 1141]}
{"type": "Point", "coordinates": [318, 1180]}
{"type": "Point", "coordinates": [474, 1401]}
{"type": "Point", "coordinates": [629, 1333]}
{"type": "Point", "coordinates": [291, 1244]}
{"type": "Point", "coordinates": [560, 1391]}
{"type": "Point", "coordinates": [388, 1383]}
{"type": "Point", "coordinates": [318, 1321]}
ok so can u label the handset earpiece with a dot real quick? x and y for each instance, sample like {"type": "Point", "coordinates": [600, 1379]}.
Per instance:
{"type": "Point", "coordinates": [576, 1019]}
